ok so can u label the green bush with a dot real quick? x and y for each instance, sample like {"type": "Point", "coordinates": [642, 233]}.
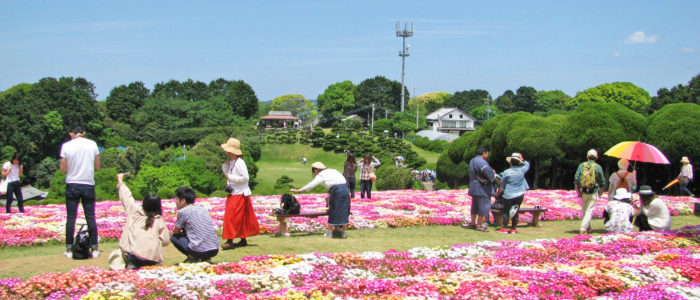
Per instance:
{"type": "Point", "coordinates": [202, 180]}
{"type": "Point", "coordinates": [162, 181]}
{"type": "Point", "coordinates": [219, 194]}
{"type": "Point", "coordinates": [58, 185]}
{"type": "Point", "coordinates": [45, 171]}
{"type": "Point", "coordinates": [106, 184]}
{"type": "Point", "coordinates": [394, 178]}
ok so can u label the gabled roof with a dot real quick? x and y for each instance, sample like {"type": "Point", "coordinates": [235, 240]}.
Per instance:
{"type": "Point", "coordinates": [446, 110]}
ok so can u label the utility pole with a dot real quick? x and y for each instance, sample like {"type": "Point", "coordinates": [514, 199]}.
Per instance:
{"type": "Point", "coordinates": [488, 107]}
{"type": "Point", "coordinates": [403, 53]}
{"type": "Point", "coordinates": [372, 117]}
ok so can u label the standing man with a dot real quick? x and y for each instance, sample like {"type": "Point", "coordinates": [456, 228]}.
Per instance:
{"type": "Point", "coordinates": [481, 178]}
{"type": "Point", "coordinates": [686, 176]}
{"type": "Point", "coordinates": [79, 160]}
{"type": "Point", "coordinates": [589, 181]}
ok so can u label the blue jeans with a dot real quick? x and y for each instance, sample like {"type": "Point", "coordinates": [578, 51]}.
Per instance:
{"type": "Point", "coordinates": [181, 243]}
{"type": "Point", "coordinates": [683, 185]}
{"type": "Point", "coordinates": [366, 186]}
{"type": "Point", "coordinates": [14, 189]}
{"type": "Point", "coordinates": [76, 194]}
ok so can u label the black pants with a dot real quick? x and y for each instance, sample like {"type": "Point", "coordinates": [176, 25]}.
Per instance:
{"type": "Point", "coordinates": [133, 262]}
{"type": "Point", "coordinates": [14, 190]}
{"type": "Point", "coordinates": [366, 186]}
{"type": "Point", "coordinates": [507, 205]}
{"type": "Point", "coordinates": [351, 186]}
{"type": "Point", "coordinates": [642, 222]}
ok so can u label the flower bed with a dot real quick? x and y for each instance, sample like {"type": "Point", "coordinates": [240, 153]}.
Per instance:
{"type": "Point", "coordinates": [400, 208]}
{"type": "Point", "coordinates": [649, 265]}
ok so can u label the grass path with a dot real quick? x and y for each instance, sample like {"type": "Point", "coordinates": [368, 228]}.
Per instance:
{"type": "Point", "coordinates": [25, 262]}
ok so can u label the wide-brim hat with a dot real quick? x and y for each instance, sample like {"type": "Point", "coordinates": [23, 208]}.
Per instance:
{"type": "Point", "coordinates": [621, 194]}
{"type": "Point", "coordinates": [646, 190]}
{"type": "Point", "coordinates": [515, 156]}
{"type": "Point", "coordinates": [685, 159]}
{"type": "Point", "coordinates": [318, 165]}
{"type": "Point", "coordinates": [623, 163]}
{"type": "Point", "coordinates": [232, 145]}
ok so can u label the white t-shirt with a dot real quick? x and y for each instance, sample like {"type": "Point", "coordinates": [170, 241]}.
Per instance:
{"type": "Point", "coordinates": [80, 157]}
{"type": "Point", "coordinates": [14, 173]}
{"type": "Point", "coordinates": [329, 178]}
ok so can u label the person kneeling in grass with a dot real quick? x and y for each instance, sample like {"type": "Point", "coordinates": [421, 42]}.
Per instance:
{"type": "Point", "coordinates": [338, 197]}
{"type": "Point", "coordinates": [194, 234]}
{"type": "Point", "coordinates": [144, 233]}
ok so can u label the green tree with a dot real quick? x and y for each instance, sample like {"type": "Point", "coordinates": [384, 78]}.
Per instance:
{"type": "Point", "coordinates": [536, 139]}
{"type": "Point", "coordinates": [504, 102]}
{"type": "Point", "coordinates": [337, 98]}
{"type": "Point", "coordinates": [162, 181]}
{"type": "Point", "coordinates": [678, 94]}
{"type": "Point", "coordinates": [551, 100]}
{"type": "Point", "coordinates": [429, 102]}
{"type": "Point", "coordinates": [455, 175]}
{"type": "Point", "coordinates": [45, 171]}
{"type": "Point", "coordinates": [125, 99]}
{"type": "Point", "coordinates": [675, 130]}
{"type": "Point", "coordinates": [242, 98]}
{"type": "Point", "coordinates": [200, 179]}
{"type": "Point", "coordinates": [468, 100]}
{"type": "Point", "coordinates": [296, 104]}
{"type": "Point", "coordinates": [483, 112]}
{"type": "Point", "coordinates": [625, 93]}
{"type": "Point", "coordinates": [381, 91]}
{"type": "Point", "coordinates": [525, 99]}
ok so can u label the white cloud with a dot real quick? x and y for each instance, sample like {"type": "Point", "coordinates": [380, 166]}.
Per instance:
{"type": "Point", "coordinates": [640, 37]}
{"type": "Point", "coordinates": [688, 50]}
{"type": "Point", "coordinates": [616, 54]}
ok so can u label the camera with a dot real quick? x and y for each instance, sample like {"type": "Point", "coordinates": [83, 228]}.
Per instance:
{"type": "Point", "coordinates": [228, 189]}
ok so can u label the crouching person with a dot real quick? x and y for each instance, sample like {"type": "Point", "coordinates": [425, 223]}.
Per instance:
{"type": "Point", "coordinates": [144, 233]}
{"type": "Point", "coordinates": [194, 234]}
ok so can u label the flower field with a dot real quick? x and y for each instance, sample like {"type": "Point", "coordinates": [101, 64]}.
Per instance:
{"type": "Point", "coordinates": [650, 265]}
{"type": "Point", "coordinates": [399, 208]}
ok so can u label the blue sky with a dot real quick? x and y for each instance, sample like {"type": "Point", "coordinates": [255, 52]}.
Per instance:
{"type": "Point", "coordinates": [290, 47]}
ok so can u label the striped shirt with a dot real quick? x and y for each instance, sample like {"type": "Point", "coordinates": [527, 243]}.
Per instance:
{"type": "Point", "coordinates": [199, 228]}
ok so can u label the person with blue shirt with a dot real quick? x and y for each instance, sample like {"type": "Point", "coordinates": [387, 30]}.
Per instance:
{"type": "Point", "coordinates": [481, 178]}
{"type": "Point", "coordinates": [513, 185]}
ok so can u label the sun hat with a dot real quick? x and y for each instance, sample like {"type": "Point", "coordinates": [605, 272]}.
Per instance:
{"type": "Point", "coordinates": [685, 159]}
{"type": "Point", "coordinates": [623, 164]}
{"type": "Point", "coordinates": [592, 153]}
{"type": "Point", "coordinates": [621, 194]}
{"type": "Point", "coordinates": [318, 165]}
{"type": "Point", "coordinates": [232, 145]}
{"type": "Point", "coordinates": [646, 190]}
{"type": "Point", "coordinates": [515, 156]}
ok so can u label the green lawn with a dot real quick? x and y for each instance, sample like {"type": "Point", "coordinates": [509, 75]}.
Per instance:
{"type": "Point", "coordinates": [430, 157]}
{"type": "Point", "coordinates": [25, 262]}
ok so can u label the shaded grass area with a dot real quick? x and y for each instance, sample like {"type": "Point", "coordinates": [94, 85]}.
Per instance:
{"type": "Point", "coordinates": [430, 157]}
{"type": "Point", "coordinates": [25, 262]}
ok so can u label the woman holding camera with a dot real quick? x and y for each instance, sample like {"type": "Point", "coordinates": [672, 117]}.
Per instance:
{"type": "Point", "coordinates": [239, 218]}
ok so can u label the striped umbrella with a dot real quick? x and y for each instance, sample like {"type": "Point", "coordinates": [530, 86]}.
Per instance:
{"type": "Point", "coordinates": [638, 151]}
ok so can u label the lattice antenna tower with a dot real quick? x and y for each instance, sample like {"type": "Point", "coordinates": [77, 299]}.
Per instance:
{"type": "Point", "coordinates": [403, 53]}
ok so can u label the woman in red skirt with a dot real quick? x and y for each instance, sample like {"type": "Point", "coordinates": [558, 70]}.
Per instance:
{"type": "Point", "coordinates": [239, 218]}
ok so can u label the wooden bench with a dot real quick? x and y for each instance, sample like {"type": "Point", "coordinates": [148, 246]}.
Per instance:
{"type": "Point", "coordinates": [536, 212]}
{"type": "Point", "coordinates": [284, 219]}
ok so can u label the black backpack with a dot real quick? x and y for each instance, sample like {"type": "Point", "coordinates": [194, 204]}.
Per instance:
{"type": "Point", "coordinates": [81, 244]}
{"type": "Point", "coordinates": [290, 205]}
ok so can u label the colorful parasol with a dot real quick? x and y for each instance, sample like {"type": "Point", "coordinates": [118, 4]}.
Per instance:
{"type": "Point", "coordinates": [671, 183]}
{"type": "Point", "coordinates": [638, 151]}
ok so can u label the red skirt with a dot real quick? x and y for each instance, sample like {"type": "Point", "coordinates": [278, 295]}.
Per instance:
{"type": "Point", "coordinates": [239, 218]}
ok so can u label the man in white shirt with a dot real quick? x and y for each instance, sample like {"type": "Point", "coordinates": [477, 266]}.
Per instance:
{"type": "Point", "coordinates": [79, 160]}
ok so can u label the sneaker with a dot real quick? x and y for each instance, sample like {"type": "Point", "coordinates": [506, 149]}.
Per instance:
{"type": "Point", "coordinates": [95, 253]}
{"type": "Point", "coordinates": [512, 231]}
{"type": "Point", "coordinates": [503, 230]}
{"type": "Point", "coordinates": [339, 234]}
{"type": "Point", "coordinates": [68, 254]}
{"type": "Point", "coordinates": [328, 233]}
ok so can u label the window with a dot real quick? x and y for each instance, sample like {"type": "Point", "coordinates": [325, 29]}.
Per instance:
{"type": "Point", "coordinates": [450, 116]}
{"type": "Point", "coordinates": [460, 116]}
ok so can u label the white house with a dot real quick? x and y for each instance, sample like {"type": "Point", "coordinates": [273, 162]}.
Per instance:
{"type": "Point", "coordinates": [450, 120]}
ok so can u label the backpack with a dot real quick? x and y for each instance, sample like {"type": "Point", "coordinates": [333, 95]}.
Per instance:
{"type": "Point", "coordinates": [290, 205]}
{"type": "Point", "coordinates": [623, 181]}
{"type": "Point", "coordinates": [81, 244]}
{"type": "Point", "coordinates": [587, 178]}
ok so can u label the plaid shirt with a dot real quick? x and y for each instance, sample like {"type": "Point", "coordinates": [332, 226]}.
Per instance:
{"type": "Point", "coordinates": [367, 169]}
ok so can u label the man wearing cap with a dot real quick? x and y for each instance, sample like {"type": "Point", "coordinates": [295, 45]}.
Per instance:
{"type": "Point", "coordinates": [622, 179]}
{"type": "Point", "coordinates": [239, 218]}
{"type": "Point", "coordinates": [686, 176]}
{"type": "Point", "coordinates": [588, 190]}
{"type": "Point", "coordinates": [619, 212]}
{"type": "Point", "coordinates": [338, 197]}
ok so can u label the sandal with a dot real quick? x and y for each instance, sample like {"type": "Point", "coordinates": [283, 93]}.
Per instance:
{"type": "Point", "coordinates": [482, 229]}
{"type": "Point", "coordinates": [227, 246]}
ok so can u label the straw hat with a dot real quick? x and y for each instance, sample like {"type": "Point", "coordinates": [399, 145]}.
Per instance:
{"type": "Point", "coordinates": [232, 145]}
{"type": "Point", "coordinates": [621, 194]}
{"type": "Point", "coordinates": [685, 159]}
{"type": "Point", "coordinates": [318, 165]}
{"type": "Point", "coordinates": [623, 164]}
{"type": "Point", "coordinates": [515, 156]}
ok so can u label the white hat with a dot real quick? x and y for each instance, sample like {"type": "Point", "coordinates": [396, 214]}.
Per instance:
{"type": "Point", "coordinates": [232, 145]}
{"type": "Point", "coordinates": [623, 164]}
{"type": "Point", "coordinates": [318, 165]}
{"type": "Point", "coordinates": [593, 153]}
{"type": "Point", "coordinates": [685, 159]}
{"type": "Point", "coordinates": [515, 156]}
{"type": "Point", "coordinates": [621, 194]}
